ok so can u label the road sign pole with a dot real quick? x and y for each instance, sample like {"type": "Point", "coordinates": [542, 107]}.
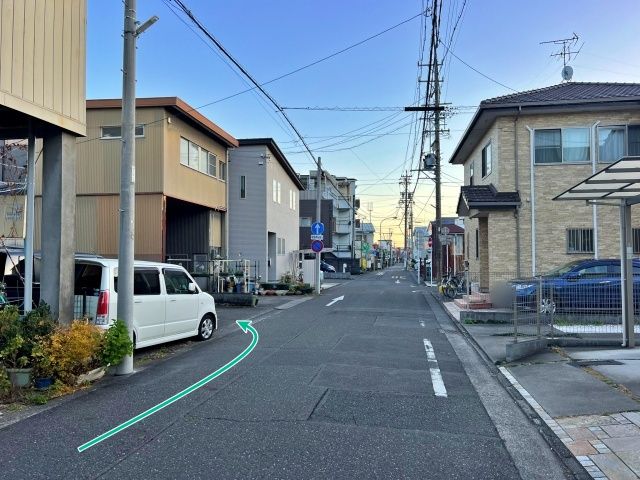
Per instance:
{"type": "Point", "coordinates": [318, 219]}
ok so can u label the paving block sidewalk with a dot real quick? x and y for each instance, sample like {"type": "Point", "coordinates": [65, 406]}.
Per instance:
{"type": "Point", "coordinates": [594, 410]}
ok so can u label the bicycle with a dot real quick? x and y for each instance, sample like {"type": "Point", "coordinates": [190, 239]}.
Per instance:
{"type": "Point", "coordinates": [454, 285]}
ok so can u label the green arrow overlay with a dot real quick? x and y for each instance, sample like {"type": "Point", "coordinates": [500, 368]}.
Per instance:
{"type": "Point", "coordinates": [245, 325]}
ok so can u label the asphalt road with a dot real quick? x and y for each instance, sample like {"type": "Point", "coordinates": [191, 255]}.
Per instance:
{"type": "Point", "coordinates": [350, 390]}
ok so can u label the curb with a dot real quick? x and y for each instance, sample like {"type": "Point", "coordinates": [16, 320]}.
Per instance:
{"type": "Point", "coordinates": [572, 464]}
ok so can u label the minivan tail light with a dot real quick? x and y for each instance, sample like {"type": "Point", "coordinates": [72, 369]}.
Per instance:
{"type": "Point", "coordinates": [102, 313]}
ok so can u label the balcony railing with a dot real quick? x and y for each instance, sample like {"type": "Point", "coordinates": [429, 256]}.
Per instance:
{"type": "Point", "coordinates": [342, 228]}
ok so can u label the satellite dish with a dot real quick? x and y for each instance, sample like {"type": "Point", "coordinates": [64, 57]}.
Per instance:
{"type": "Point", "coordinates": [567, 73]}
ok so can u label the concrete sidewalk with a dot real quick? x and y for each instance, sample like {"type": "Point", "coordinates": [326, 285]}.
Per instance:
{"type": "Point", "coordinates": [589, 397]}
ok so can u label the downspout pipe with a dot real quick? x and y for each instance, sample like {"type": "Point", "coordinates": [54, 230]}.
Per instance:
{"type": "Point", "coordinates": [517, 185]}
{"type": "Point", "coordinates": [594, 207]}
{"type": "Point", "coordinates": [532, 184]}
{"type": "Point", "coordinates": [226, 213]}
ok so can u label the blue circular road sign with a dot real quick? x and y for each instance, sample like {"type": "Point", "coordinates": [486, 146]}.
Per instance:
{"type": "Point", "coordinates": [317, 246]}
{"type": "Point", "coordinates": [317, 228]}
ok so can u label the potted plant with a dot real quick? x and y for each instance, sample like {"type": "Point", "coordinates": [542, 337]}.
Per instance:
{"type": "Point", "coordinates": [13, 353]}
{"type": "Point", "coordinates": [116, 344]}
{"type": "Point", "coordinates": [16, 364]}
{"type": "Point", "coordinates": [42, 367]}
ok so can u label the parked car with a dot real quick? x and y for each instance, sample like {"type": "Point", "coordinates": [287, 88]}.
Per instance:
{"type": "Point", "coordinates": [325, 267]}
{"type": "Point", "coordinates": [581, 285]}
{"type": "Point", "coordinates": [168, 303]}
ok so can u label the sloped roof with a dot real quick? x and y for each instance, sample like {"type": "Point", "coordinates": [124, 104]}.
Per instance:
{"type": "Point", "coordinates": [561, 98]}
{"type": "Point", "coordinates": [177, 105]}
{"type": "Point", "coordinates": [570, 92]}
{"type": "Point", "coordinates": [485, 197]}
{"type": "Point", "coordinates": [271, 144]}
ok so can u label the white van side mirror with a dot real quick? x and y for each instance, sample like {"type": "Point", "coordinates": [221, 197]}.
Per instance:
{"type": "Point", "coordinates": [192, 288]}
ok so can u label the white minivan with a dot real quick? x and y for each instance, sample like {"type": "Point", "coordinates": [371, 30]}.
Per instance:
{"type": "Point", "coordinates": [167, 304]}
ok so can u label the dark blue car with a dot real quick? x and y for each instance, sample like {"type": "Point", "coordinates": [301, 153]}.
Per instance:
{"type": "Point", "coordinates": [582, 285]}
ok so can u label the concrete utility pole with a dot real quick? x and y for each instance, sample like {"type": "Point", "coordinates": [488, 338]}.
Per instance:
{"type": "Point", "coordinates": [128, 175]}
{"type": "Point", "coordinates": [436, 149]}
{"type": "Point", "coordinates": [30, 221]}
{"type": "Point", "coordinates": [318, 218]}
{"type": "Point", "coordinates": [405, 199]}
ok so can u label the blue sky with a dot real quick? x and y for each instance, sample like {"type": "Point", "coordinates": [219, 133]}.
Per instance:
{"type": "Point", "coordinates": [501, 38]}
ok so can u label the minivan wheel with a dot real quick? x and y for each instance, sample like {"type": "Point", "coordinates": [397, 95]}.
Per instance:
{"type": "Point", "coordinates": [205, 330]}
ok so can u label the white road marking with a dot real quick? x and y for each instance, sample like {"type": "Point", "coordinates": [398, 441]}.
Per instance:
{"type": "Point", "coordinates": [380, 274]}
{"type": "Point", "coordinates": [436, 377]}
{"type": "Point", "coordinates": [335, 300]}
{"type": "Point", "coordinates": [414, 291]}
{"type": "Point", "coordinates": [422, 323]}
{"type": "Point", "coordinates": [397, 281]}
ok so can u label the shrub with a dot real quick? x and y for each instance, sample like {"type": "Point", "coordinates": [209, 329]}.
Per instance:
{"type": "Point", "coordinates": [74, 350]}
{"type": "Point", "coordinates": [9, 325]}
{"type": "Point", "coordinates": [116, 344]}
{"type": "Point", "coordinates": [37, 325]}
{"type": "Point", "coordinates": [5, 383]}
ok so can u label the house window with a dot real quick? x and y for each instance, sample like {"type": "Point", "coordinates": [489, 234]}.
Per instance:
{"type": "Point", "coordinates": [566, 145]}
{"type": "Point", "coordinates": [633, 133]}
{"type": "Point", "coordinates": [212, 163]}
{"type": "Point", "coordinates": [477, 244]}
{"type": "Point", "coordinates": [222, 171]}
{"type": "Point", "coordinates": [292, 200]}
{"type": "Point", "coordinates": [486, 160]}
{"type": "Point", "coordinates": [636, 240]}
{"type": "Point", "coordinates": [580, 240]}
{"type": "Point", "coordinates": [115, 131]}
{"type": "Point", "coordinates": [305, 221]}
{"type": "Point", "coordinates": [196, 157]}
{"type": "Point", "coordinates": [610, 143]}
{"type": "Point", "coordinates": [280, 246]}
{"type": "Point", "coordinates": [279, 192]}
{"type": "Point", "coordinates": [243, 186]}
{"type": "Point", "coordinates": [471, 173]}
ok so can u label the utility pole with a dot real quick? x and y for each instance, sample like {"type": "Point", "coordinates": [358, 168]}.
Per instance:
{"type": "Point", "coordinates": [436, 148]}
{"type": "Point", "coordinates": [127, 174]}
{"type": "Point", "coordinates": [405, 200]}
{"type": "Point", "coordinates": [318, 218]}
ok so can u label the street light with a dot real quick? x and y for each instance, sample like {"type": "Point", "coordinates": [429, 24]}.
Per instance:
{"type": "Point", "coordinates": [388, 218]}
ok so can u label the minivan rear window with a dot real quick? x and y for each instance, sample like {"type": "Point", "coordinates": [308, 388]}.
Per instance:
{"type": "Point", "coordinates": [88, 279]}
{"type": "Point", "coordinates": [145, 282]}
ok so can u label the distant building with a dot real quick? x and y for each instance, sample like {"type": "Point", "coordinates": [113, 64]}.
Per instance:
{"type": "Point", "coordinates": [339, 207]}
{"type": "Point", "coordinates": [364, 244]}
{"type": "Point", "coordinates": [264, 219]}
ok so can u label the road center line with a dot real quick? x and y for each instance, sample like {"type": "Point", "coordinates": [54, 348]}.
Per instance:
{"type": "Point", "coordinates": [436, 377]}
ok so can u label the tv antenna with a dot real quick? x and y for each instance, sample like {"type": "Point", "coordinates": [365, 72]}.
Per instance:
{"type": "Point", "coordinates": [567, 52]}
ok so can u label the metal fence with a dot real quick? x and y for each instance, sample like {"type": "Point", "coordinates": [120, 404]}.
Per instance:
{"type": "Point", "coordinates": [586, 306]}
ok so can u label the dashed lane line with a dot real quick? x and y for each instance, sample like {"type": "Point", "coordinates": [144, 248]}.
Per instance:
{"type": "Point", "coordinates": [436, 377]}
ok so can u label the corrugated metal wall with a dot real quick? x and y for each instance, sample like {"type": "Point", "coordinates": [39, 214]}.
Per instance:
{"type": "Point", "coordinates": [43, 56]}
{"type": "Point", "coordinates": [98, 225]}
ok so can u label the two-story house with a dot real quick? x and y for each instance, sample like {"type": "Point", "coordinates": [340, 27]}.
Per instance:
{"type": "Point", "coordinates": [523, 149]}
{"type": "Point", "coordinates": [264, 193]}
{"type": "Point", "coordinates": [181, 181]}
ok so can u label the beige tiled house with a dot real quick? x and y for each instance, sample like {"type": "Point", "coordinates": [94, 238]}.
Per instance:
{"type": "Point", "coordinates": [519, 152]}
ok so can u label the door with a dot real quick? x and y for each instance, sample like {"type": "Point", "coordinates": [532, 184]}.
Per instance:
{"type": "Point", "coordinates": [181, 305]}
{"type": "Point", "coordinates": [271, 257]}
{"type": "Point", "coordinates": [148, 304]}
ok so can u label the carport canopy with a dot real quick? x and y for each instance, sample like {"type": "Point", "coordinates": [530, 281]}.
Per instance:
{"type": "Point", "coordinates": [619, 182]}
